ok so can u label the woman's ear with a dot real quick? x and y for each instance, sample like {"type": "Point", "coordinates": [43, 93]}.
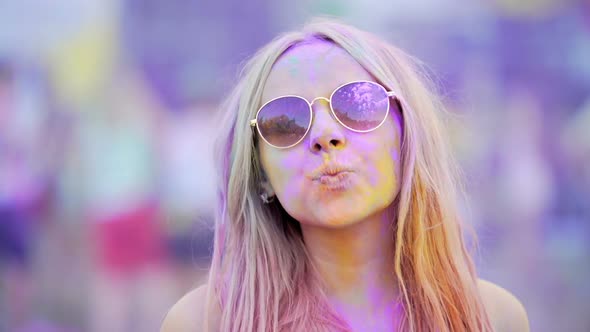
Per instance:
{"type": "Point", "coordinates": [267, 187]}
{"type": "Point", "coordinates": [267, 194]}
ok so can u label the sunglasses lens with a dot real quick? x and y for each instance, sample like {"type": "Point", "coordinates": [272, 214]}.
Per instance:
{"type": "Point", "coordinates": [361, 106]}
{"type": "Point", "coordinates": [284, 121]}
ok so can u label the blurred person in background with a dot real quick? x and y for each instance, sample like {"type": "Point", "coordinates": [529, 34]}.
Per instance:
{"type": "Point", "coordinates": [116, 157]}
{"type": "Point", "coordinates": [24, 185]}
{"type": "Point", "coordinates": [338, 211]}
{"type": "Point", "coordinates": [187, 180]}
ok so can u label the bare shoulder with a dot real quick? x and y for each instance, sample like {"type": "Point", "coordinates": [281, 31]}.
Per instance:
{"type": "Point", "coordinates": [504, 309]}
{"type": "Point", "coordinates": [189, 313]}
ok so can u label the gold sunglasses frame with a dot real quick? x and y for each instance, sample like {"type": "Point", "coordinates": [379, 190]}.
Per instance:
{"type": "Point", "coordinates": [254, 122]}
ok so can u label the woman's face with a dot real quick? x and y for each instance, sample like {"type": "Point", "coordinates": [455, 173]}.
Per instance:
{"type": "Point", "coordinates": [372, 159]}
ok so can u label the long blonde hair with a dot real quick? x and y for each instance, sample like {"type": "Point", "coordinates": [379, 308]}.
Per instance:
{"type": "Point", "coordinates": [261, 276]}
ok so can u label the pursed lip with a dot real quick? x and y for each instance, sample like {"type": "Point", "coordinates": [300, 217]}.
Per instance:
{"type": "Point", "coordinates": [330, 169]}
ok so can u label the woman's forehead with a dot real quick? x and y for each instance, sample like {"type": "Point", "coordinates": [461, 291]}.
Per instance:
{"type": "Point", "coordinates": [311, 70]}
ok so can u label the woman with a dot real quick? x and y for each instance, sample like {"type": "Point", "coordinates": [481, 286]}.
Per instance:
{"type": "Point", "coordinates": [337, 200]}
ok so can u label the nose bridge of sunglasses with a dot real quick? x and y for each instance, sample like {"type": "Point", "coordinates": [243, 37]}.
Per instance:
{"type": "Point", "coordinates": [324, 116]}
{"type": "Point", "coordinates": [322, 100]}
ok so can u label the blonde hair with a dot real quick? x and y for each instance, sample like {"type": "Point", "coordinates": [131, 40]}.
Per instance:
{"type": "Point", "coordinates": [261, 275]}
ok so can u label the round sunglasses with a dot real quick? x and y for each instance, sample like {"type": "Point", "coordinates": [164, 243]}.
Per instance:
{"type": "Point", "coordinates": [360, 106]}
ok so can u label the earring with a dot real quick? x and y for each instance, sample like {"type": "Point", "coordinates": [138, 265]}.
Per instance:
{"type": "Point", "coordinates": [266, 199]}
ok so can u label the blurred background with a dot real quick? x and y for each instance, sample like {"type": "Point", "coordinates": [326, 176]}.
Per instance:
{"type": "Point", "coordinates": [106, 177]}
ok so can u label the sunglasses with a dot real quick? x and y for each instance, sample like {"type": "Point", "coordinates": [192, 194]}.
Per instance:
{"type": "Point", "coordinates": [360, 106]}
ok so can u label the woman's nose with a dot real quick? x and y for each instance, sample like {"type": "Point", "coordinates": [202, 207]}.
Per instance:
{"type": "Point", "coordinates": [325, 133]}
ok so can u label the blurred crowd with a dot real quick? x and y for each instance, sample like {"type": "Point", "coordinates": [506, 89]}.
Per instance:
{"type": "Point", "coordinates": [107, 185]}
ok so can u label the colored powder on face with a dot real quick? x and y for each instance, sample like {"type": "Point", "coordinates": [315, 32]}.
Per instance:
{"type": "Point", "coordinates": [293, 65]}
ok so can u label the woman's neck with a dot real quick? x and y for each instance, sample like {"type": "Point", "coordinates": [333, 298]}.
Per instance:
{"type": "Point", "coordinates": [356, 263]}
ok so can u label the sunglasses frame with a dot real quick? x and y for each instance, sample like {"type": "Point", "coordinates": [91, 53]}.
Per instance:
{"type": "Point", "coordinates": [254, 122]}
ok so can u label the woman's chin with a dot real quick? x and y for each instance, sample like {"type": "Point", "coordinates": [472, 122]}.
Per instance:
{"type": "Point", "coordinates": [339, 216]}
